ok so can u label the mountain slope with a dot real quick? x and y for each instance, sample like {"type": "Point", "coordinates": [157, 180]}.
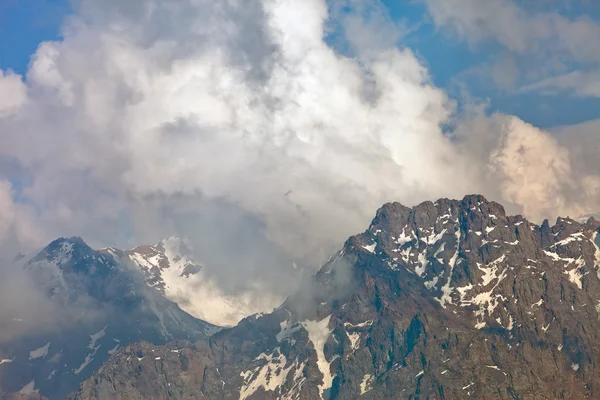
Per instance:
{"type": "Point", "coordinates": [100, 305]}
{"type": "Point", "coordinates": [449, 300]}
{"type": "Point", "coordinates": [170, 268]}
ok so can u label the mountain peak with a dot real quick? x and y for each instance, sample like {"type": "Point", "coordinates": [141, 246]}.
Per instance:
{"type": "Point", "coordinates": [450, 244]}
{"type": "Point", "coordinates": [397, 213]}
{"type": "Point", "coordinates": [62, 250]}
{"type": "Point", "coordinates": [98, 305]}
{"type": "Point", "coordinates": [450, 299]}
{"type": "Point", "coordinates": [593, 223]}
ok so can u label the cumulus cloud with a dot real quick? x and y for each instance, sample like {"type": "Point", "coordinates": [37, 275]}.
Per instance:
{"type": "Point", "coordinates": [537, 173]}
{"type": "Point", "coordinates": [534, 172]}
{"type": "Point", "coordinates": [14, 90]}
{"type": "Point", "coordinates": [582, 84]}
{"type": "Point", "coordinates": [518, 28]}
{"type": "Point", "coordinates": [555, 50]}
{"type": "Point", "coordinates": [238, 125]}
{"type": "Point", "coordinates": [306, 132]}
{"type": "Point", "coordinates": [17, 222]}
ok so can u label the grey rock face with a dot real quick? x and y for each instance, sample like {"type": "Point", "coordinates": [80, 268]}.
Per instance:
{"type": "Point", "coordinates": [102, 305]}
{"type": "Point", "coordinates": [446, 300]}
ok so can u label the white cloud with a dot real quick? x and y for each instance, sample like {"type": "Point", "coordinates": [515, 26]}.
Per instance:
{"type": "Point", "coordinates": [553, 51]}
{"type": "Point", "coordinates": [17, 223]}
{"type": "Point", "coordinates": [536, 172]}
{"type": "Point", "coordinates": [139, 116]}
{"type": "Point", "coordinates": [582, 84]}
{"type": "Point", "coordinates": [240, 126]}
{"type": "Point", "coordinates": [14, 93]}
{"type": "Point", "coordinates": [517, 28]}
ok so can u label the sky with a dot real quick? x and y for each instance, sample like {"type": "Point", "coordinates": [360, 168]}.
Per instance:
{"type": "Point", "coordinates": [487, 70]}
{"type": "Point", "coordinates": [268, 131]}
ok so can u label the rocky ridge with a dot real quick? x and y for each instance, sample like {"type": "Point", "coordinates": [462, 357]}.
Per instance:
{"type": "Point", "coordinates": [171, 268]}
{"type": "Point", "coordinates": [445, 300]}
{"type": "Point", "coordinates": [100, 305]}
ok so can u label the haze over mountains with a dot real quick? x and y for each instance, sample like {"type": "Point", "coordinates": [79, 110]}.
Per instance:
{"type": "Point", "coordinates": [443, 300]}
{"type": "Point", "coordinates": [93, 304]}
{"type": "Point", "coordinates": [215, 154]}
{"type": "Point", "coordinates": [446, 300]}
{"type": "Point", "coordinates": [170, 268]}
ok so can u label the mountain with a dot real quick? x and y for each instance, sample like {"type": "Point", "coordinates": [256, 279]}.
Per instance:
{"type": "Point", "coordinates": [584, 218]}
{"type": "Point", "coordinates": [98, 305]}
{"type": "Point", "coordinates": [171, 268]}
{"type": "Point", "coordinates": [19, 396]}
{"type": "Point", "coordinates": [445, 300]}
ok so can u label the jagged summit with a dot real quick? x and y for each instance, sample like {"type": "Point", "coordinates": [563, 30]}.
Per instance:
{"type": "Point", "coordinates": [445, 300]}
{"type": "Point", "coordinates": [61, 249]}
{"type": "Point", "coordinates": [95, 305]}
{"type": "Point", "coordinates": [431, 240]}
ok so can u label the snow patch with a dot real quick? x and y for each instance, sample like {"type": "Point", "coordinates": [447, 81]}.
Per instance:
{"type": "Point", "coordinates": [92, 346]}
{"type": "Point", "coordinates": [113, 350]}
{"type": "Point", "coordinates": [595, 243]}
{"type": "Point", "coordinates": [487, 301]}
{"type": "Point", "coordinates": [64, 254]}
{"type": "Point", "coordinates": [318, 333]}
{"type": "Point", "coordinates": [446, 297]}
{"type": "Point", "coordinates": [539, 303]}
{"type": "Point", "coordinates": [510, 323]}
{"type": "Point", "coordinates": [370, 248]}
{"type": "Point", "coordinates": [403, 238]}
{"type": "Point", "coordinates": [361, 325]}
{"type": "Point", "coordinates": [287, 329]}
{"type": "Point", "coordinates": [39, 353]}
{"type": "Point", "coordinates": [366, 383]}
{"type": "Point", "coordinates": [423, 261]}
{"type": "Point", "coordinates": [354, 340]}
{"type": "Point", "coordinates": [434, 238]}
{"type": "Point", "coordinates": [88, 359]}
{"type": "Point", "coordinates": [271, 376]}
{"type": "Point", "coordinates": [29, 388]}
{"type": "Point", "coordinates": [432, 283]}
{"type": "Point", "coordinates": [576, 277]}
{"type": "Point", "coordinates": [97, 336]}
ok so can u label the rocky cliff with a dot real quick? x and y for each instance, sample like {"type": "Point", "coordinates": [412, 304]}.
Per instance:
{"type": "Point", "coordinates": [446, 300]}
{"type": "Point", "coordinates": [98, 306]}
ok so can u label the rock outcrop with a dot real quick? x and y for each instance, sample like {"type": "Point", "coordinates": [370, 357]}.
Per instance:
{"type": "Point", "coordinates": [98, 305]}
{"type": "Point", "coordinates": [446, 300]}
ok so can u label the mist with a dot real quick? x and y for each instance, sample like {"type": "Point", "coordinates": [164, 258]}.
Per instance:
{"type": "Point", "coordinates": [238, 125]}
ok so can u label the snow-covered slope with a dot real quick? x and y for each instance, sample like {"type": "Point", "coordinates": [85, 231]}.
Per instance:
{"type": "Point", "coordinates": [171, 268]}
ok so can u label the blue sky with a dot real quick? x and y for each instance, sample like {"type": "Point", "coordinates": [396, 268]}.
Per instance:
{"type": "Point", "coordinates": [26, 23]}
{"type": "Point", "coordinates": [450, 60]}
{"type": "Point", "coordinates": [120, 78]}
{"type": "Point", "coordinates": [23, 25]}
